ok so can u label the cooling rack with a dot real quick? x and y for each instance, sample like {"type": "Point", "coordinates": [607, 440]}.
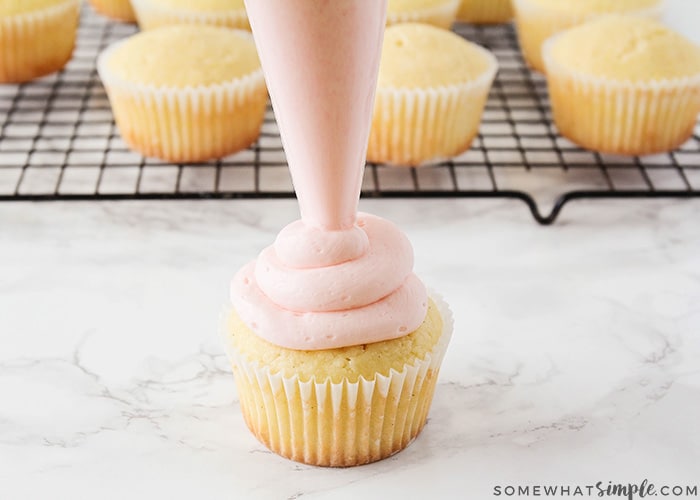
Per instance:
{"type": "Point", "coordinates": [58, 141]}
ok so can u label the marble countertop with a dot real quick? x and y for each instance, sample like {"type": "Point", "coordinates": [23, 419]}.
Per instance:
{"type": "Point", "coordinates": [574, 360]}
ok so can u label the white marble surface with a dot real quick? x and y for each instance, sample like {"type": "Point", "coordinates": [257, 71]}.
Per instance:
{"type": "Point", "coordinates": [575, 357]}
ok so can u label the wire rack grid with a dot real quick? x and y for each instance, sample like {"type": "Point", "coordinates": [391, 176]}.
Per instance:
{"type": "Point", "coordinates": [58, 141]}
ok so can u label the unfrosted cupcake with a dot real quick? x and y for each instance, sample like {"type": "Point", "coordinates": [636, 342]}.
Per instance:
{"type": "Point", "coordinates": [537, 20]}
{"type": "Point", "coordinates": [154, 13]}
{"type": "Point", "coordinates": [119, 10]}
{"type": "Point", "coordinates": [334, 366]}
{"type": "Point", "coordinates": [485, 11]}
{"type": "Point", "coordinates": [441, 13]}
{"type": "Point", "coordinates": [432, 90]}
{"type": "Point", "coordinates": [624, 85]}
{"type": "Point", "coordinates": [185, 93]}
{"type": "Point", "coordinates": [36, 37]}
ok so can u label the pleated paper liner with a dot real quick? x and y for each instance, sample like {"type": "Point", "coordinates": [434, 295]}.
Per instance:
{"type": "Point", "coordinates": [37, 43]}
{"type": "Point", "coordinates": [186, 124]}
{"type": "Point", "coordinates": [485, 11]}
{"type": "Point", "coordinates": [412, 127]}
{"type": "Point", "coordinates": [152, 15]}
{"type": "Point", "coordinates": [622, 117]}
{"type": "Point", "coordinates": [119, 10]}
{"type": "Point", "coordinates": [442, 15]}
{"type": "Point", "coordinates": [535, 24]}
{"type": "Point", "coordinates": [339, 424]}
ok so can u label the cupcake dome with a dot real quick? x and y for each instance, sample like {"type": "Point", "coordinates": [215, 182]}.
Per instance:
{"type": "Point", "coordinates": [36, 37]}
{"type": "Point", "coordinates": [537, 20]}
{"type": "Point", "coordinates": [432, 90]}
{"type": "Point", "coordinates": [594, 6]}
{"type": "Point", "coordinates": [119, 10]}
{"type": "Point", "coordinates": [485, 11]}
{"type": "Point", "coordinates": [186, 93]}
{"type": "Point", "coordinates": [154, 13]}
{"type": "Point", "coordinates": [441, 13]}
{"type": "Point", "coordinates": [626, 49]}
{"type": "Point", "coordinates": [624, 84]}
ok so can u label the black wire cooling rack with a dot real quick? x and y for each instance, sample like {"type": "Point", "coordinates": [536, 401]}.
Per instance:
{"type": "Point", "coordinates": [58, 141]}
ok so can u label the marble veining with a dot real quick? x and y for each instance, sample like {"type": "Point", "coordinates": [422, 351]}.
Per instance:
{"type": "Point", "coordinates": [575, 355]}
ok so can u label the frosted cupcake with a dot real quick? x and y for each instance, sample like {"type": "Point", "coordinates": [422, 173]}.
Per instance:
{"type": "Point", "coordinates": [441, 13]}
{"type": "Point", "coordinates": [119, 10]}
{"type": "Point", "coordinates": [624, 85]}
{"type": "Point", "coordinates": [432, 90]}
{"type": "Point", "coordinates": [334, 342]}
{"type": "Point", "coordinates": [336, 364]}
{"type": "Point", "coordinates": [166, 109]}
{"type": "Point", "coordinates": [537, 20]}
{"type": "Point", "coordinates": [154, 13]}
{"type": "Point", "coordinates": [485, 11]}
{"type": "Point", "coordinates": [36, 37]}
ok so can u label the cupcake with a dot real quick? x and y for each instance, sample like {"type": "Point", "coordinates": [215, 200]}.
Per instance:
{"type": "Point", "coordinates": [432, 90]}
{"type": "Point", "coordinates": [119, 10]}
{"type": "Point", "coordinates": [36, 37]}
{"type": "Point", "coordinates": [185, 93]}
{"type": "Point", "coordinates": [320, 387]}
{"type": "Point", "coordinates": [537, 20]}
{"type": "Point", "coordinates": [154, 13]}
{"type": "Point", "coordinates": [349, 381]}
{"type": "Point", "coordinates": [441, 13]}
{"type": "Point", "coordinates": [485, 11]}
{"type": "Point", "coordinates": [624, 85]}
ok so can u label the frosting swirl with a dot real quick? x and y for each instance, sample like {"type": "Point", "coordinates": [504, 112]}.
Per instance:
{"type": "Point", "coordinates": [319, 289]}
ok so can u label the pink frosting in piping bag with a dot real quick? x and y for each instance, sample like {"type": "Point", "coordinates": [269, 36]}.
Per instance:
{"type": "Point", "coordinates": [335, 278]}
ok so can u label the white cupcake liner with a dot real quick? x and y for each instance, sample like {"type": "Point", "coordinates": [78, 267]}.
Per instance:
{"type": "Point", "coordinates": [119, 10]}
{"type": "Point", "coordinates": [535, 24]}
{"type": "Point", "coordinates": [485, 11]}
{"type": "Point", "coordinates": [413, 127]}
{"type": "Point", "coordinates": [339, 424]}
{"type": "Point", "coordinates": [24, 46]}
{"type": "Point", "coordinates": [442, 15]}
{"type": "Point", "coordinates": [152, 15]}
{"type": "Point", "coordinates": [186, 124]}
{"type": "Point", "coordinates": [621, 117]}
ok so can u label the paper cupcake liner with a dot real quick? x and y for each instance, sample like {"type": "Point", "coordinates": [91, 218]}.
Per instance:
{"type": "Point", "coordinates": [339, 424]}
{"type": "Point", "coordinates": [412, 127]}
{"type": "Point", "coordinates": [442, 15]}
{"type": "Point", "coordinates": [187, 124]}
{"type": "Point", "coordinates": [37, 43]}
{"type": "Point", "coordinates": [119, 10]}
{"type": "Point", "coordinates": [535, 24]}
{"type": "Point", "coordinates": [622, 117]}
{"type": "Point", "coordinates": [485, 11]}
{"type": "Point", "coordinates": [151, 15]}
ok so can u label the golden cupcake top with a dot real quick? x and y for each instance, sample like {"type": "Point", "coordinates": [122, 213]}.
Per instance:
{"type": "Point", "coordinates": [351, 363]}
{"type": "Point", "coordinates": [419, 56]}
{"type": "Point", "coordinates": [13, 7]}
{"type": "Point", "coordinates": [595, 6]}
{"type": "Point", "coordinates": [411, 5]}
{"type": "Point", "coordinates": [626, 48]}
{"type": "Point", "coordinates": [184, 55]}
{"type": "Point", "coordinates": [200, 5]}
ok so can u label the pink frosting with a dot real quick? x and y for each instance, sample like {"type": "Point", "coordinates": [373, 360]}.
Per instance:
{"type": "Point", "coordinates": [371, 297]}
{"type": "Point", "coordinates": [336, 278]}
